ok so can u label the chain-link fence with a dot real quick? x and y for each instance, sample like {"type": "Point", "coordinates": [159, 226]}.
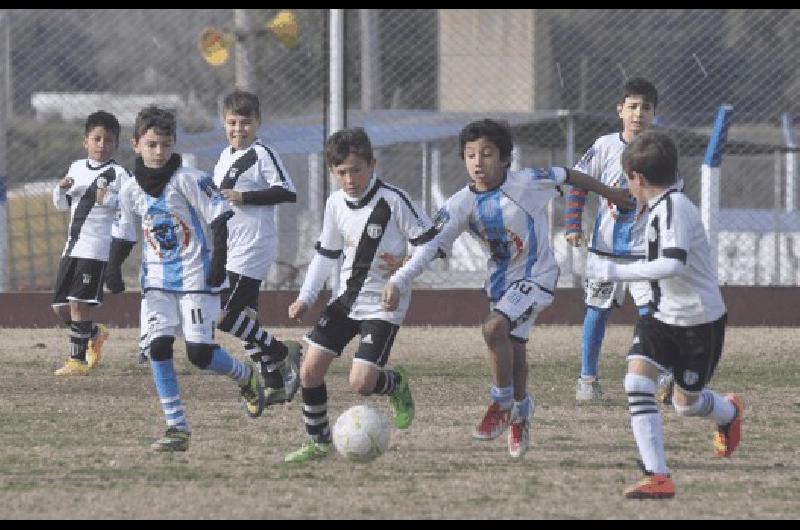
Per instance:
{"type": "Point", "coordinates": [413, 78]}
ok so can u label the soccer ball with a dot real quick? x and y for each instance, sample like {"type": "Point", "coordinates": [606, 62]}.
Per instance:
{"type": "Point", "coordinates": [361, 433]}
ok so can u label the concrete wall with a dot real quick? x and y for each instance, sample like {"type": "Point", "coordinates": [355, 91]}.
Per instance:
{"type": "Point", "coordinates": [493, 60]}
{"type": "Point", "coordinates": [747, 306]}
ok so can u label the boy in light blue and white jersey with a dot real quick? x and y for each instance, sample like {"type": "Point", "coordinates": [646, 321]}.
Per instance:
{"type": "Point", "coordinates": [616, 236]}
{"type": "Point", "coordinates": [506, 211]}
{"type": "Point", "coordinates": [183, 218]}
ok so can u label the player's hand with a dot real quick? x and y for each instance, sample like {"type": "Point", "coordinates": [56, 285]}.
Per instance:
{"type": "Point", "coordinates": [114, 282]}
{"type": "Point", "coordinates": [623, 199]}
{"type": "Point", "coordinates": [296, 309]}
{"type": "Point", "coordinates": [576, 239]}
{"type": "Point", "coordinates": [391, 297]}
{"type": "Point", "coordinates": [66, 182]}
{"type": "Point", "coordinates": [390, 263]}
{"type": "Point", "coordinates": [233, 196]}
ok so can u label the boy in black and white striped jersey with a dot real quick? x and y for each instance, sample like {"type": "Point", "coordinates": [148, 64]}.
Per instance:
{"type": "Point", "coordinates": [369, 223]}
{"type": "Point", "coordinates": [89, 191]}
{"type": "Point", "coordinates": [686, 325]}
{"type": "Point", "coordinates": [251, 176]}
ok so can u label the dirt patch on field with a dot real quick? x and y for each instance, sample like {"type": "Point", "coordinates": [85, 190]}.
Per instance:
{"type": "Point", "coordinates": [78, 448]}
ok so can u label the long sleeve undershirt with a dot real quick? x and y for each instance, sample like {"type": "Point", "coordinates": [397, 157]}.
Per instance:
{"type": "Point", "coordinates": [657, 269]}
{"type": "Point", "coordinates": [318, 271]}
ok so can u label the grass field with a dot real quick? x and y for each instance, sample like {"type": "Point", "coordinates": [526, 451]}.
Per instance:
{"type": "Point", "coordinates": [78, 448]}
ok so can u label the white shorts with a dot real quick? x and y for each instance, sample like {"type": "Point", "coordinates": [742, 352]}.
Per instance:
{"type": "Point", "coordinates": [194, 314]}
{"type": "Point", "coordinates": [604, 294]}
{"type": "Point", "coordinates": [521, 303]}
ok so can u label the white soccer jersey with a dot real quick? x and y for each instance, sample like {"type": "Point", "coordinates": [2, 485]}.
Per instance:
{"type": "Point", "coordinates": [176, 255]}
{"type": "Point", "coordinates": [384, 221]}
{"type": "Point", "coordinates": [682, 279]}
{"type": "Point", "coordinates": [614, 233]}
{"type": "Point", "coordinates": [89, 234]}
{"type": "Point", "coordinates": [675, 230]}
{"type": "Point", "coordinates": [252, 238]}
{"type": "Point", "coordinates": [511, 223]}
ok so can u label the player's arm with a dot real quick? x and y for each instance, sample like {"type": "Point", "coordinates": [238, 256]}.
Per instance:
{"type": "Point", "coordinates": [663, 267]}
{"type": "Point", "coordinates": [328, 250]}
{"type": "Point", "coordinates": [123, 239]}
{"type": "Point", "coordinates": [619, 196]}
{"type": "Point", "coordinates": [271, 195]}
{"type": "Point", "coordinates": [60, 198]}
{"type": "Point", "coordinates": [219, 255]}
{"type": "Point", "coordinates": [449, 226]}
{"type": "Point", "coordinates": [576, 200]}
{"type": "Point", "coordinates": [318, 271]}
{"type": "Point", "coordinates": [278, 186]}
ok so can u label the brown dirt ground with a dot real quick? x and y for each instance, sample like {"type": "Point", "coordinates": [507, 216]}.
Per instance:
{"type": "Point", "coordinates": [78, 448]}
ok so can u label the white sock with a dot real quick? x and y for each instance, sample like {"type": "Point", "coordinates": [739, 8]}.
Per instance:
{"type": "Point", "coordinates": [646, 422]}
{"type": "Point", "coordinates": [722, 411]}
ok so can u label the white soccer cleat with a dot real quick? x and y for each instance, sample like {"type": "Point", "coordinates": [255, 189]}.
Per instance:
{"type": "Point", "coordinates": [588, 390]}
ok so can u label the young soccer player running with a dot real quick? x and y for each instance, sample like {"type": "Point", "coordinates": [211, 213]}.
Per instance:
{"type": "Point", "coordinates": [183, 218]}
{"type": "Point", "coordinates": [685, 328]}
{"type": "Point", "coordinates": [506, 211]}
{"type": "Point", "coordinates": [89, 190]}
{"type": "Point", "coordinates": [364, 220]}
{"type": "Point", "coordinates": [251, 176]}
{"type": "Point", "coordinates": [616, 236]}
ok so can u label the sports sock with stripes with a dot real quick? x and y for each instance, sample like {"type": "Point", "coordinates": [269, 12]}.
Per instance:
{"type": "Point", "coordinates": [646, 422]}
{"type": "Point", "coordinates": [315, 413]}
{"type": "Point", "coordinates": [166, 381]}
{"type": "Point", "coordinates": [222, 363]}
{"type": "Point", "coordinates": [386, 383]}
{"type": "Point", "coordinates": [79, 333]}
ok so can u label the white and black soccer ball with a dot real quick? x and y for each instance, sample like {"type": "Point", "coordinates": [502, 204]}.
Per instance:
{"type": "Point", "coordinates": [361, 433]}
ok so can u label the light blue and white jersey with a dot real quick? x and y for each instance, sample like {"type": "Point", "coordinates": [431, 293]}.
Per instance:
{"type": "Point", "coordinates": [614, 233]}
{"type": "Point", "coordinates": [176, 255]}
{"type": "Point", "coordinates": [511, 223]}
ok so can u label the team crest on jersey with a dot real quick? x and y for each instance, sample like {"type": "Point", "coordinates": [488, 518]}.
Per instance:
{"type": "Point", "coordinates": [166, 234]}
{"type": "Point", "coordinates": [232, 173]}
{"type": "Point", "coordinates": [440, 219]}
{"type": "Point", "coordinates": [503, 246]}
{"type": "Point", "coordinates": [374, 231]}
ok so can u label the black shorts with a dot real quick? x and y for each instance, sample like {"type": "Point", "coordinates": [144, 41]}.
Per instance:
{"type": "Point", "coordinates": [79, 279]}
{"type": "Point", "coordinates": [691, 351]}
{"type": "Point", "coordinates": [242, 292]}
{"type": "Point", "coordinates": [334, 330]}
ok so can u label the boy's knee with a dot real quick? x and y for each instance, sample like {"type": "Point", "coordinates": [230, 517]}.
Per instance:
{"type": "Point", "coordinates": [495, 328]}
{"type": "Point", "coordinates": [161, 348]}
{"type": "Point", "coordinates": [200, 354]}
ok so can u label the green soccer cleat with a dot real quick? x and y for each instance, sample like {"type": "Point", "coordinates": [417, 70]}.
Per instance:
{"type": "Point", "coordinates": [173, 441]}
{"type": "Point", "coordinates": [402, 402]}
{"type": "Point", "coordinates": [309, 451]}
{"type": "Point", "coordinates": [253, 394]}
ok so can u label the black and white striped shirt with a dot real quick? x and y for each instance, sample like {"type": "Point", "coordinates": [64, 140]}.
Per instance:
{"type": "Point", "coordinates": [89, 234]}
